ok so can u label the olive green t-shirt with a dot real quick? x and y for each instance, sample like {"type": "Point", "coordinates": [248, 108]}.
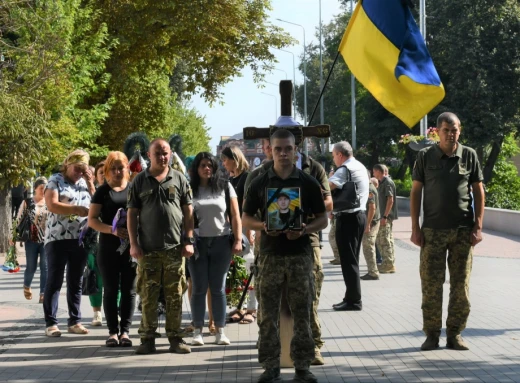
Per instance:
{"type": "Point", "coordinates": [373, 199]}
{"type": "Point", "coordinates": [447, 202]}
{"type": "Point", "coordinates": [387, 189]}
{"type": "Point", "coordinates": [160, 208]}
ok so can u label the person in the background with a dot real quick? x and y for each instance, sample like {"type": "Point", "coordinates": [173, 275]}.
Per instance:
{"type": "Point", "coordinates": [17, 194]}
{"type": "Point", "coordinates": [332, 235]}
{"type": "Point", "coordinates": [67, 196]}
{"type": "Point", "coordinates": [36, 208]}
{"type": "Point", "coordinates": [96, 300]}
{"type": "Point", "coordinates": [371, 230]}
{"type": "Point", "coordinates": [210, 266]}
{"type": "Point", "coordinates": [116, 266]}
{"type": "Point", "coordinates": [235, 162]}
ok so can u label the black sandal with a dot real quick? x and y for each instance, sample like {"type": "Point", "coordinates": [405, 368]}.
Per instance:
{"type": "Point", "coordinates": [111, 342]}
{"type": "Point", "coordinates": [125, 342]}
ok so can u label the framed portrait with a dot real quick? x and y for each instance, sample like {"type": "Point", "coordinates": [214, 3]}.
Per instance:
{"type": "Point", "coordinates": [284, 210]}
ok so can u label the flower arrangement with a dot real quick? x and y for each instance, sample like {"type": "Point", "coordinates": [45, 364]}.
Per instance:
{"type": "Point", "coordinates": [236, 281]}
{"type": "Point", "coordinates": [432, 134]}
{"type": "Point", "coordinates": [11, 264]}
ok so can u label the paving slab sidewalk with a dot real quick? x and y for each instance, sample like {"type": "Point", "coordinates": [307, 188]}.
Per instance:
{"type": "Point", "coordinates": [379, 344]}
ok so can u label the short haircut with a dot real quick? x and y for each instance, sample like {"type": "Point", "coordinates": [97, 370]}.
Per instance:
{"type": "Point", "coordinates": [109, 162]}
{"type": "Point", "coordinates": [282, 134]}
{"type": "Point", "coordinates": [155, 141]}
{"type": "Point", "coordinates": [385, 168]}
{"type": "Point", "coordinates": [379, 168]}
{"type": "Point", "coordinates": [344, 148]}
{"type": "Point", "coordinates": [449, 118]}
{"type": "Point", "coordinates": [374, 181]}
{"type": "Point", "coordinates": [234, 153]}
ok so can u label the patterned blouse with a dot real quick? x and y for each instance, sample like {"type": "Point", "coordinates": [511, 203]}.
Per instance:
{"type": "Point", "coordinates": [60, 226]}
{"type": "Point", "coordinates": [38, 214]}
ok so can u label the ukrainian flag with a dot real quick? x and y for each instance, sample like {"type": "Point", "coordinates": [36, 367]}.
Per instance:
{"type": "Point", "coordinates": [385, 50]}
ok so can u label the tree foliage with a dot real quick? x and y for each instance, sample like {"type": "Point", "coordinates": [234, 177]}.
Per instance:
{"type": "Point", "coordinates": [476, 49]}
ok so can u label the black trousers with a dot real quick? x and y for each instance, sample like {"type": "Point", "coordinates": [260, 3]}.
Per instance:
{"type": "Point", "coordinates": [65, 253]}
{"type": "Point", "coordinates": [349, 235]}
{"type": "Point", "coordinates": [118, 272]}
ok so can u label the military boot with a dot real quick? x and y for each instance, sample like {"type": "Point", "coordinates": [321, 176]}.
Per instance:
{"type": "Point", "coordinates": [318, 359]}
{"type": "Point", "coordinates": [386, 268]}
{"type": "Point", "coordinates": [270, 375]}
{"type": "Point", "coordinates": [147, 346]}
{"type": "Point", "coordinates": [304, 376]}
{"type": "Point", "coordinates": [178, 345]}
{"type": "Point", "coordinates": [431, 342]}
{"type": "Point", "coordinates": [455, 342]}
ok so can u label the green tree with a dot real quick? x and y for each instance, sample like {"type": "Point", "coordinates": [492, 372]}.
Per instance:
{"type": "Point", "coordinates": [476, 48]}
{"type": "Point", "coordinates": [503, 191]}
{"type": "Point", "coordinates": [212, 41]}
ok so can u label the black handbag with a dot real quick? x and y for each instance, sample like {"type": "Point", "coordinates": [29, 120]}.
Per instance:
{"type": "Point", "coordinates": [347, 197]}
{"type": "Point", "coordinates": [89, 286]}
{"type": "Point", "coordinates": [23, 229]}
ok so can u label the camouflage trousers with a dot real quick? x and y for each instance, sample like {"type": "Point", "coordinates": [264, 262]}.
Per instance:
{"type": "Point", "coordinates": [166, 268]}
{"type": "Point", "coordinates": [457, 243]}
{"type": "Point", "coordinates": [332, 238]}
{"type": "Point", "coordinates": [296, 273]}
{"type": "Point", "coordinates": [369, 249]}
{"type": "Point", "coordinates": [385, 243]}
{"type": "Point", "coordinates": [318, 283]}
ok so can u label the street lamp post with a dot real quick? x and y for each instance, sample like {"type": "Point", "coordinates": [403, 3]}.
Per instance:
{"type": "Point", "coordinates": [322, 114]}
{"type": "Point", "coordinates": [281, 70]}
{"type": "Point", "coordinates": [353, 97]}
{"type": "Point", "coordinates": [275, 104]}
{"type": "Point", "coordinates": [304, 79]}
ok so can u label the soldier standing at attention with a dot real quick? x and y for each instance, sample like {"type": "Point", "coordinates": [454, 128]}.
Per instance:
{"type": "Point", "coordinates": [286, 257]}
{"type": "Point", "coordinates": [159, 204]}
{"type": "Point", "coordinates": [371, 230]}
{"type": "Point", "coordinates": [445, 172]}
{"type": "Point", "coordinates": [388, 211]}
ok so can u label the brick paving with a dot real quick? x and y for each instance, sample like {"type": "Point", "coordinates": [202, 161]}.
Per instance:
{"type": "Point", "coordinates": [379, 344]}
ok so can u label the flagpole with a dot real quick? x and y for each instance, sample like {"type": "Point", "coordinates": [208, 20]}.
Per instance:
{"type": "Point", "coordinates": [323, 89]}
{"type": "Point", "coordinates": [422, 27]}
{"type": "Point", "coordinates": [353, 95]}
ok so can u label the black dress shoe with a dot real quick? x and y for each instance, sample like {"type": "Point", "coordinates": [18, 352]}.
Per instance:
{"type": "Point", "coordinates": [347, 307]}
{"type": "Point", "coordinates": [338, 304]}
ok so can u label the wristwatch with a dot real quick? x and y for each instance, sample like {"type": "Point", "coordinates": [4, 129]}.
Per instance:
{"type": "Point", "coordinates": [385, 217]}
{"type": "Point", "coordinates": [189, 240]}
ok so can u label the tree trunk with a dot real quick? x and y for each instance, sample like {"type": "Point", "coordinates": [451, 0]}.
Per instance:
{"type": "Point", "coordinates": [374, 159]}
{"type": "Point", "coordinates": [5, 219]}
{"type": "Point", "coordinates": [402, 169]}
{"type": "Point", "coordinates": [492, 159]}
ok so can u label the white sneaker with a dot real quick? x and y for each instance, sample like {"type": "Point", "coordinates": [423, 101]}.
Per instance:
{"type": "Point", "coordinates": [197, 338]}
{"type": "Point", "coordinates": [97, 319]}
{"type": "Point", "coordinates": [221, 338]}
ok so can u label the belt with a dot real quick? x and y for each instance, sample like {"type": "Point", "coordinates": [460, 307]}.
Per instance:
{"type": "Point", "coordinates": [345, 213]}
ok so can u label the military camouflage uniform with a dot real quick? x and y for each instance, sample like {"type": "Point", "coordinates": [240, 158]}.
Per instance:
{"type": "Point", "coordinates": [385, 238]}
{"type": "Point", "coordinates": [297, 272]}
{"type": "Point", "coordinates": [164, 267]}
{"type": "Point", "coordinates": [332, 238]}
{"type": "Point", "coordinates": [433, 275]}
{"type": "Point", "coordinates": [318, 283]}
{"type": "Point", "coordinates": [447, 227]}
{"type": "Point", "coordinates": [369, 240]}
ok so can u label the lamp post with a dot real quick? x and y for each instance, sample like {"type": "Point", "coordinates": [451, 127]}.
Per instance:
{"type": "Point", "coordinates": [281, 70]}
{"type": "Point", "coordinates": [353, 97]}
{"type": "Point", "coordinates": [304, 79]}
{"type": "Point", "coordinates": [275, 104]}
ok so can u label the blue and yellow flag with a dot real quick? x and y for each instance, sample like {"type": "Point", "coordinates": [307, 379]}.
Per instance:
{"type": "Point", "coordinates": [385, 50]}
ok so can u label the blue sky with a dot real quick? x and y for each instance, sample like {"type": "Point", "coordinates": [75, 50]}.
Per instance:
{"type": "Point", "coordinates": [244, 103]}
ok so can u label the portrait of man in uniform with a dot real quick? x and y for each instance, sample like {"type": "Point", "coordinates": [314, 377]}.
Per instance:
{"type": "Point", "coordinates": [284, 209]}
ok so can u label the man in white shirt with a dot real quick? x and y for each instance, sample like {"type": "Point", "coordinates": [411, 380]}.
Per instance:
{"type": "Point", "coordinates": [350, 224]}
